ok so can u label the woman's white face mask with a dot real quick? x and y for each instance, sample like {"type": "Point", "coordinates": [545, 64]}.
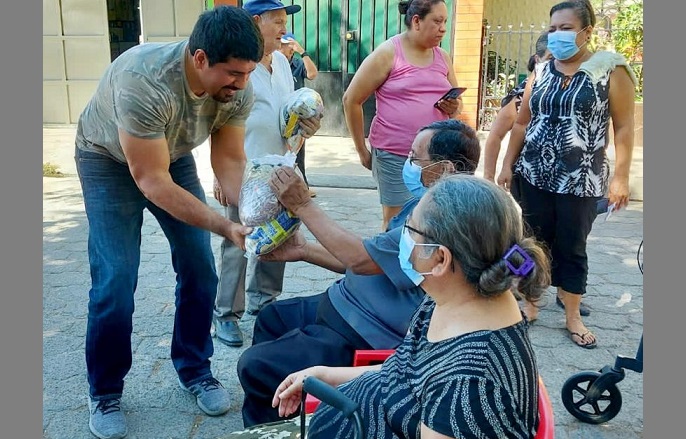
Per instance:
{"type": "Point", "coordinates": [407, 245]}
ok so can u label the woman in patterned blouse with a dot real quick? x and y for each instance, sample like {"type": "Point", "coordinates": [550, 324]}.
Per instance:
{"type": "Point", "coordinates": [558, 150]}
{"type": "Point", "coordinates": [466, 368]}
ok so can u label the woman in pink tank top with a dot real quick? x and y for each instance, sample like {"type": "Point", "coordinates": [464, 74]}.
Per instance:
{"type": "Point", "coordinates": [408, 74]}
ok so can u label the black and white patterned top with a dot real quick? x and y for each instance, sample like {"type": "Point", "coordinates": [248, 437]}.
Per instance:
{"type": "Point", "coordinates": [566, 140]}
{"type": "Point", "coordinates": [478, 385]}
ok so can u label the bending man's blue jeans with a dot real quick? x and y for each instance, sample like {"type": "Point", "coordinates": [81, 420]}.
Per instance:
{"type": "Point", "coordinates": [114, 207]}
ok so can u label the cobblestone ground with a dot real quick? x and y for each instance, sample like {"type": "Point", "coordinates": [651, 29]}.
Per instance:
{"type": "Point", "coordinates": [157, 408]}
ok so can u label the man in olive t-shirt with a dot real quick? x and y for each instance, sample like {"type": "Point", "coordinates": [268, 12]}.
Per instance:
{"type": "Point", "coordinates": [153, 105]}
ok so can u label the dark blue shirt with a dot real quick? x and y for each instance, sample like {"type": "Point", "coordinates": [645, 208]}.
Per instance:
{"type": "Point", "coordinates": [299, 72]}
{"type": "Point", "coordinates": [407, 208]}
{"type": "Point", "coordinates": [379, 307]}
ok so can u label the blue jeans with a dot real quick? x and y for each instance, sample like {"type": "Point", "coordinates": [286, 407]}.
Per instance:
{"type": "Point", "coordinates": [114, 208]}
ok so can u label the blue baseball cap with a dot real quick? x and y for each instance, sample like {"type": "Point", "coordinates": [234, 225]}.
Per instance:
{"type": "Point", "coordinates": [259, 7]}
{"type": "Point", "coordinates": [288, 38]}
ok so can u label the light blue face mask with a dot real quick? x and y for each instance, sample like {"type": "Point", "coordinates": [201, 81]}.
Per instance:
{"type": "Point", "coordinates": [407, 244]}
{"type": "Point", "coordinates": [412, 176]}
{"type": "Point", "coordinates": [562, 44]}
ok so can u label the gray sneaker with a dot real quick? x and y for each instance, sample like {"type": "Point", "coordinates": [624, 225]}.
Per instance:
{"type": "Point", "coordinates": [107, 420]}
{"type": "Point", "coordinates": [210, 395]}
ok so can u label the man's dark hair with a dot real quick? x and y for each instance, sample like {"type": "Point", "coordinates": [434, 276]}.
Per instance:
{"type": "Point", "coordinates": [454, 141]}
{"type": "Point", "coordinates": [227, 32]}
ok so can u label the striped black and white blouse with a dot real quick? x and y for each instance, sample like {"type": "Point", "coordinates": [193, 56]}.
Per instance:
{"type": "Point", "coordinates": [477, 385]}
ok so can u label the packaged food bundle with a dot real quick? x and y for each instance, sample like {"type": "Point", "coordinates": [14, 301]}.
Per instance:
{"type": "Point", "coordinates": [301, 104]}
{"type": "Point", "coordinates": [268, 236]}
{"type": "Point", "coordinates": [259, 207]}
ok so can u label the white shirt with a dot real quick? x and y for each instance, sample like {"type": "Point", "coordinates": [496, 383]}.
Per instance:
{"type": "Point", "coordinates": [271, 90]}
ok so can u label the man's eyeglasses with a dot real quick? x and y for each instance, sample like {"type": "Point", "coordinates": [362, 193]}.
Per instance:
{"type": "Point", "coordinates": [429, 162]}
{"type": "Point", "coordinates": [414, 160]}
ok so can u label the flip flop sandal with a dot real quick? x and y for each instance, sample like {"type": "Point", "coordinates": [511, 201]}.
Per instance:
{"type": "Point", "coordinates": [590, 345]}
{"type": "Point", "coordinates": [529, 321]}
{"type": "Point", "coordinates": [584, 310]}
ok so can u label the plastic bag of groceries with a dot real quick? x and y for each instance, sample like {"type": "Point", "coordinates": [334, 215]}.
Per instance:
{"type": "Point", "coordinates": [301, 104]}
{"type": "Point", "coordinates": [270, 235]}
{"type": "Point", "coordinates": [259, 207]}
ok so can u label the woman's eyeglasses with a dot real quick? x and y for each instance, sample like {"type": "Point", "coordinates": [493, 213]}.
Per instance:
{"type": "Point", "coordinates": [419, 232]}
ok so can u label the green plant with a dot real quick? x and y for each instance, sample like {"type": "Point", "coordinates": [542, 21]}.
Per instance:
{"type": "Point", "coordinates": [628, 39]}
{"type": "Point", "coordinates": [500, 86]}
{"type": "Point", "coordinates": [624, 34]}
{"type": "Point", "coordinates": [500, 75]}
{"type": "Point", "coordinates": [51, 170]}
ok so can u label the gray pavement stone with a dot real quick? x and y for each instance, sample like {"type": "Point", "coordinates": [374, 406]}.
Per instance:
{"type": "Point", "coordinates": [157, 408]}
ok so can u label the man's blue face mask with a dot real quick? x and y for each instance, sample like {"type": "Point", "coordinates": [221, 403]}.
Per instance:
{"type": "Point", "coordinates": [412, 177]}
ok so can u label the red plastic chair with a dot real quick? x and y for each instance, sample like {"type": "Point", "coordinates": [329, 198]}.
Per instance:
{"type": "Point", "coordinates": [360, 358]}
{"type": "Point", "coordinates": [311, 404]}
{"type": "Point", "coordinates": [369, 357]}
{"type": "Point", "coordinates": [546, 419]}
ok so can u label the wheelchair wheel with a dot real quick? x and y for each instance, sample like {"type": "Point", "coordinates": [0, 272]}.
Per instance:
{"type": "Point", "coordinates": [590, 410]}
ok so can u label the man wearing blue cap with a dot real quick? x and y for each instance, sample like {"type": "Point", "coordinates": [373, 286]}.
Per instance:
{"type": "Point", "coordinates": [272, 83]}
{"type": "Point", "coordinates": [302, 67]}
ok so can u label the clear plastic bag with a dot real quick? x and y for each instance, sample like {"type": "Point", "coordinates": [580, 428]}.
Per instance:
{"type": "Point", "coordinates": [301, 104]}
{"type": "Point", "coordinates": [259, 207]}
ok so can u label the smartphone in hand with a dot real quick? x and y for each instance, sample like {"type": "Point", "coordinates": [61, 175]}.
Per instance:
{"type": "Point", "coordinates": [453, 93]}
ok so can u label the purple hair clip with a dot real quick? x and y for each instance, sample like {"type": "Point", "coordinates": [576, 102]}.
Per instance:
{"type": "Point", "coordinates": [526, 266]}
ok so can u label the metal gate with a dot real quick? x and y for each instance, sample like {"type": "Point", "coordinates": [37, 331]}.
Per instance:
{"type": "Point", "coordinates": [506, 51]}
{"type": "Point", "coordinates": [338, 33]}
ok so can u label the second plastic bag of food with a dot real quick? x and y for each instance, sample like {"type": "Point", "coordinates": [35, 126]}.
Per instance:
{"type": "Point", "coordinates": [259, 207]}
{"type": "Point", "coordinates": [301, 104]}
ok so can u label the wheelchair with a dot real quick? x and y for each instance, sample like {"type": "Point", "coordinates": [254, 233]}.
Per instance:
{"type": "Point", "coordinates": [593, 397]}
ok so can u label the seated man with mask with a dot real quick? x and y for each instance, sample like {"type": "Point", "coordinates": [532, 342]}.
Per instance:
{"type": "Point", "coordinates": [425, 165]}
{"type": "Point", "coordinates": [371, 306]}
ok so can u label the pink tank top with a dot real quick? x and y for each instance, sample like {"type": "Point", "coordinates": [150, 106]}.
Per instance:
{"type": "Point", "coordinates": [405, 101]}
